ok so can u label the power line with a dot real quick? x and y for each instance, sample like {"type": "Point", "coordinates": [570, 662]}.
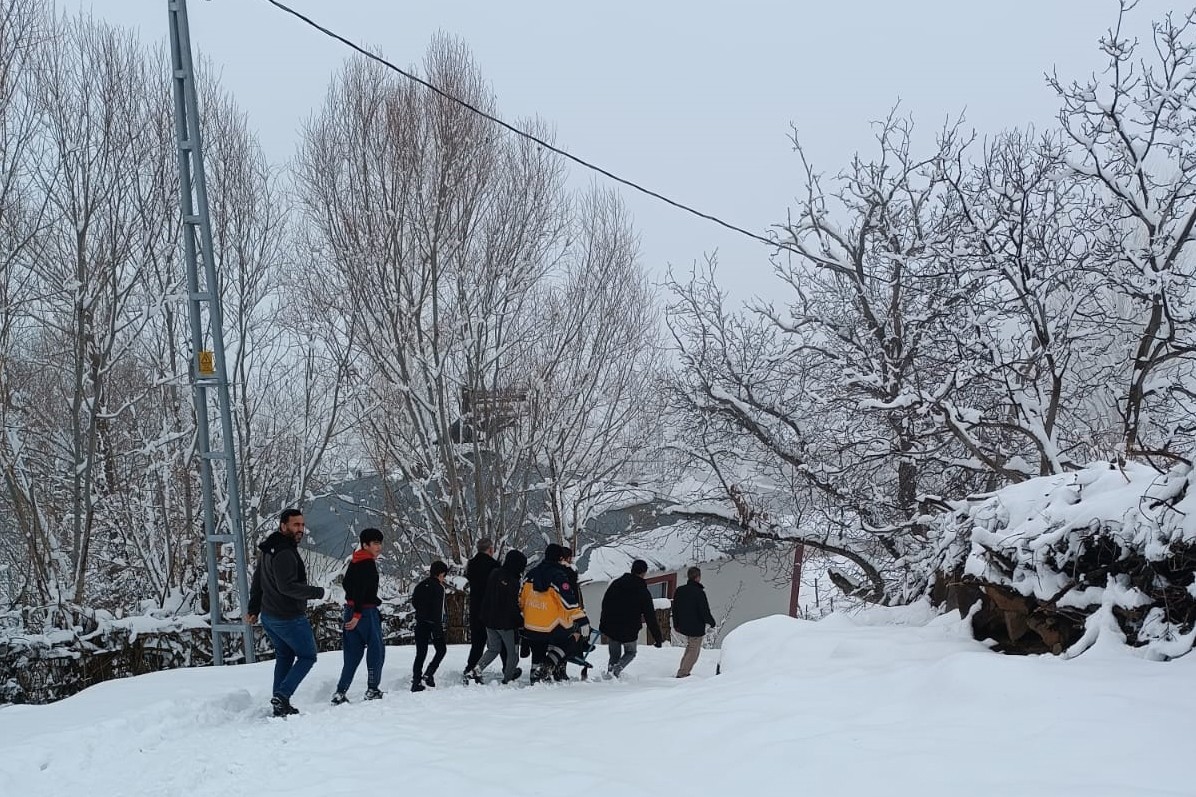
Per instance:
{"type": "Point", "coordinates": [525, 134]}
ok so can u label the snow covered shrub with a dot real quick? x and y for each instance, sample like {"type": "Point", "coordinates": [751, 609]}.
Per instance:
{"type": "Point", "coordinates": [41, 666]}
{"type": "Point", "coordinates": [1054, 563]}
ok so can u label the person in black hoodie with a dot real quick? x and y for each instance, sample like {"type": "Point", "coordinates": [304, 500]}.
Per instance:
{"type": "Point", "coordinates": [626, 606]}
{"type": "Point", "coordinates": [428, 601]}
{"type": "Point", "coordinates": [363, 623]}
{"type": "Point", "coordinates": [558, 673]}
{"type": "Point", "coordinates": [691, 616]}
{"type": "Point", "coordinates": [279, 596]}
{"type": "Point", "coordinates": [477, 573]}
{"type": "Point", "coordinates": [501, 617]}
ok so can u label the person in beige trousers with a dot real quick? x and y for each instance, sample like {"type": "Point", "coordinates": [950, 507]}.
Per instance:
{"type": "Point", "coordinates": [691, 616]}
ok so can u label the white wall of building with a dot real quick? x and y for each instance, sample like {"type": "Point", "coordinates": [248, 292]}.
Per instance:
{"type": "Point", "coordinates": [739, 591]}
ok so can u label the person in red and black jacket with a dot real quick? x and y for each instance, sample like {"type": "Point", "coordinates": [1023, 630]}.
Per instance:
{"type": "Point", "coordinates": [363, 622]}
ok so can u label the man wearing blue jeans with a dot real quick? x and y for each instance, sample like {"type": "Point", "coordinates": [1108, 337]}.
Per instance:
{"type": "Point", "coordinates": [363, 622]}
{"type": "Point", "coordinates": [279, 596]}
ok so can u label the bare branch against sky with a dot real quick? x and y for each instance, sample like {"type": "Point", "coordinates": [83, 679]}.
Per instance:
{"type": "Point", "coordinates": [694, 100]}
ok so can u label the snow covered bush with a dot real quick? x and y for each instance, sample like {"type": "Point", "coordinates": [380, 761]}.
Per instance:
{"type": "Point", "coordinates": [57, 663]}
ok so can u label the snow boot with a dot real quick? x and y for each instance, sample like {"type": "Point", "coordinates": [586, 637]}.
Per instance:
{"type": "Point", "coordinates": [373, 694]}
{"type": "Point", "coordinates": [429, 680]}
{"type": "Point", "coordinates": [282, 706]}
{"type": "Point", "coordinates": [473, 675]}
{"type": "Point", "coordinates": [339, 698]}
{"type": "Point", "coordinates": [417, 685]}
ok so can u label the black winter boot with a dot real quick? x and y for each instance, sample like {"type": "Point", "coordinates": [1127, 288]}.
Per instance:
{"type": "Point", "coordinates": [282, 706]}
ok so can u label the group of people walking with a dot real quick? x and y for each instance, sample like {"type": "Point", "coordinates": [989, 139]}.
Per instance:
{"type": "Point", "coordinates": [512, 615]}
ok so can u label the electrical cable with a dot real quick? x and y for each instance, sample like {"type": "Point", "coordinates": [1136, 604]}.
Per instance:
{"type": "Point", "coordinates": [580, 161]}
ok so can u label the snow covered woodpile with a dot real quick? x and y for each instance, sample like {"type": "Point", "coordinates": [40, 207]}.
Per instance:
{"type": "Point", "coordinates": [1053, 563]}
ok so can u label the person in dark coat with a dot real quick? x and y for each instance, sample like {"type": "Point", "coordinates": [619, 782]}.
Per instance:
{"type": "Point", "coordinates": [558, 673]}
{"type": "Point", "coordinates": [502, 618]}
{"type": "Point", "coordinates": [279, 596]}
{"type": "Point", "coordinates": [691, 616]}
{"type": "Point", "coordinates": [428, 601]}
{"type": "Point", "coordinates": [477, 573]}
{"type": "Point", "coordinates": [363, 623]}
{"type": "Point", "coordinates": [626, 606]}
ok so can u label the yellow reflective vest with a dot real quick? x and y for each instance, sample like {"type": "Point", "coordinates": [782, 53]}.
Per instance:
{"type": "Point", "coordinates": [545, 610]}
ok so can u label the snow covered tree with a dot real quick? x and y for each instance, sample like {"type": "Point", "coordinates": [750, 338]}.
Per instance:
{"type": "Point", "coordinates": [495, 329]}
{"type": "Point", "coordinates": [1130, 131]}
{"type": "Point", "coordinates": [22, 28]}
{"type": "Point", "coordinates": [818, 397]}
{"type": "Point", "coordinates": [596, 374]}
{"type": "Point", "coordinates": [88, 91]}
{"type": "Point", "coordinates": [1020, 395]}
{"type": "Point", "coordinates": [434, 229]}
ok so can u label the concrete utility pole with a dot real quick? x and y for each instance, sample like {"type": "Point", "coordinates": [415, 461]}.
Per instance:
{"type": "Point", "coordinates": [207, 367]}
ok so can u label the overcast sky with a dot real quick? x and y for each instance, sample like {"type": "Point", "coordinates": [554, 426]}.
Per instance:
{"type": "Point", "coordinates": [692, 99]}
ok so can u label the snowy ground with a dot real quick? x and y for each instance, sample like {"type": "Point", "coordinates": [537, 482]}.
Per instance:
{"type": "Point", "coordinates": [840, 707]}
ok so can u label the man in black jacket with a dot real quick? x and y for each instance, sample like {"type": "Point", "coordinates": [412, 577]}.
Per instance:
{"type": "Point", "coordinates": [363, 622]}
{"type": "Point", "coordinates": [477, 573]}
{"type": "Point", "coordinates": [501, 617]}
{"type": "Point", "coordinates": [691, 615]}
{"type": "Point", "coordinates": [279, 595]}
{"type": "Point", "coordinates": [626, 606]}
{"type": "Point", "coordinates": [428, 601]}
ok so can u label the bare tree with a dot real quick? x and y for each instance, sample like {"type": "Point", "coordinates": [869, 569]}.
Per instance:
{"type": "Point", "coordinates": [88, 93]}
{"type": "Point", "coordinates": [1131, 139]}
{"type": "Point", "coordinates": [23, 29]}
{"type": "Point", "coordinates": [814, 403]}
{"type": "Point", "coordinates": [597, 373]}
{"type": "Point", "coordinates": [287, 410]}
{"type": "Point", "coordinates": [435, 229]}
{"type": "Point", "coordinates": [1021, 382]}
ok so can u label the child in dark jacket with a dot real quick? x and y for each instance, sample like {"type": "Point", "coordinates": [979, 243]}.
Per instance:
{"type": "Point", "coordinates": [363, 623]}
{"type": "Point", "coordinates": [428, 601]}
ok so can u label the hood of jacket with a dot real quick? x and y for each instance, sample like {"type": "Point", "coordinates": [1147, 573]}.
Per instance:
{"type": "Point", "coordinates": [361, 554]}
{"type": "Point", "coordinates": [275, 542]}
{"type": "Point", "coordinates": [545, 574]}
{"type": "Point", "coordinates": [514, 563]}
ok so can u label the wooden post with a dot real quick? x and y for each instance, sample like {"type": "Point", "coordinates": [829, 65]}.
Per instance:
{"type": "Point", "coordinates": [795, 583]}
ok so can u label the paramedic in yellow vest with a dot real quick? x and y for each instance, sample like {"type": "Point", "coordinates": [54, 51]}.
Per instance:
{"type": "Point", "coordinates": [553, 620]}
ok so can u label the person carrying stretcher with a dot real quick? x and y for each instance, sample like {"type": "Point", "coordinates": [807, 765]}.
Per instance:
{"type": "Point", "coordinates": [554, 623]}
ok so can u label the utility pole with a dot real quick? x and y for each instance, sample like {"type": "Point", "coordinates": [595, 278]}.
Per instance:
{"type": "Point", "coordinates": [209, 375]}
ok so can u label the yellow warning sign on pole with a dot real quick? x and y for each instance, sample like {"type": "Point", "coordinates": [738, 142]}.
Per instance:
{"type": "Point", "coordinates": [207, 363]}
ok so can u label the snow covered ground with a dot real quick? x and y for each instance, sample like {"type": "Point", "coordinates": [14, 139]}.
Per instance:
{"type": "Point", "coordinates": [889, 702]}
